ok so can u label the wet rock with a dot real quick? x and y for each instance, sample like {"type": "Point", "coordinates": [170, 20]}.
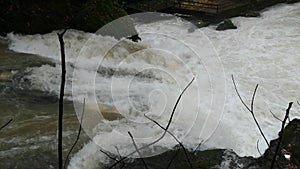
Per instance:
{"type": "Point", "coordinates": [202, 24]}
{"type": "Point", "coordinates": [251, 14]}
{"type": "Point", "coordinates": [135, 38]}
{"type": "Point", "coordinates": [191, 30]}
{"type": "Point", "coordinates": [221, 158]}
{"type": "Point", "coordinates": [227, 24]}
{"type": "Point", "coordinates": [289, 152]}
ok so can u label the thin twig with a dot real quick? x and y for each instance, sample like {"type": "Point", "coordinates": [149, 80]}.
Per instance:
{"type": "Point", "coordinates": [163, 128]}
{"type": "Point", "coordinates": [123, 163]}
{"type": "Point", "coordinates": [174, 108]}
{"type": "Point", "coordinates": [241, 99]}
{"type": "Point", "coordinates": [172, 159]}
{"type": "Point", "coordinates": [258, 148]}
{"type": "Point", "coordinates": [281, 134]}
{"type": "Point", "coordinates": [6, 124]}
{"type": "Point", "coordinates": [275, 116]}
{"type": "Point", "coordinates": [108, 155]}
{"type": "Point", "coordinates": [253, 97]}
{"type": "Point", "coordinates": [198, 146]}
{"type": "Point", "coordinates": [78, 135]}
{"type": "Point", "coordinates": [175, 138]}
{"type": "Point", "coordinates": [170, 120]}
{"type": "Point", "coordinates": [251, 109]}
{"type": "Point", "coordinates": [61, 98]}
{"type": "Point", "coordinates": [137, 150]}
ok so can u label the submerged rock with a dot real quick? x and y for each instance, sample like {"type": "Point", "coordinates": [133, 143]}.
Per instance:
{"type": "Point", "coordinates": [110, 112]}
{"type": "Point", "coordinates": [227, 24]}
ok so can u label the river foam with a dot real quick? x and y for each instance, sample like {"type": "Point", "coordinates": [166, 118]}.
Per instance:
{"type": "Point", "coordinates": [147, 78]}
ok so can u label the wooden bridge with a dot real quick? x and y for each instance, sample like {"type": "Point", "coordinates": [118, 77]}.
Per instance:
{"type": "Point", "coordinates": [207, 6]}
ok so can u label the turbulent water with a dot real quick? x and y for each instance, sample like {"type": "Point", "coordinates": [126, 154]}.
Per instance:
{"type": "Point", "coordinates": [134, 79]}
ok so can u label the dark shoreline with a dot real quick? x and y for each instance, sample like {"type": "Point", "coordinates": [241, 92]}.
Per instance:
{"type": "Point", "coordinates": [39, 17]}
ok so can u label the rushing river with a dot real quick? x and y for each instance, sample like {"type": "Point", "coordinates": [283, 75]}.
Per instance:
{"type": "Point", "coordinates": [134, 79]}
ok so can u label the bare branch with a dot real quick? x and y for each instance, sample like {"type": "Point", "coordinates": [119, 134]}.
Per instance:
{"type": "Point", "coordinates": [6, 124]}
{"type": "Point", "coordinates": [251, 109]}
{"type": "Point", "coordinates": [119, 155]}
{"type": "Point", "coordinates": [174, 108]}
{"type": "Point", "coordinates": [253, 97]}
{"type": "Point", "coordinates": [175, 138]}
{"type": "Point", "coordinates": [241, 99]}
{"type": "Point", "coordinates": [281, 134]}
{"type": "Point", "coordinates": [258, 148]}
{"type": "Point", "coordinates": [108, 155]}
{"type": "Point", "coordinates": [78, 135]}
{"type": "Point", "coordinates": [61, 98]}
{"type": "Point", "coordinates": [172, 159]}
{"type": "Point", "coordinates": [198, 146]}
{"type": "Point", "coordinates": [170, 120]}
{"type": "Point", "coordinates": [275, 116]}
{"type": "Point", "coordinates": [137, 150]}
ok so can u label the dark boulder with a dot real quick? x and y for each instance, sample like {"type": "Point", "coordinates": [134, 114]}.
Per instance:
{"type": "Point", "coordinates": [226, 24]}
{"type": "Point", "coordinates": [135, 38]}
{"type": "Point", "coordinates": [203, 24]}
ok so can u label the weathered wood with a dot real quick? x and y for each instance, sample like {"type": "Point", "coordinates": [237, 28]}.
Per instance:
{"type": "Point", "coordinates": [207, 6]}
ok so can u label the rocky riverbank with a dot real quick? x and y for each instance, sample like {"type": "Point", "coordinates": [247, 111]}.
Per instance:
{"type": "Point", "coordinates": [288, 156]}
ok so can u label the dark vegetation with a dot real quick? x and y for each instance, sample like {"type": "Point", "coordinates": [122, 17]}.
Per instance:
{"type": "Point", "coordinates": [38, 16]}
